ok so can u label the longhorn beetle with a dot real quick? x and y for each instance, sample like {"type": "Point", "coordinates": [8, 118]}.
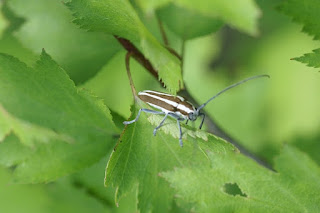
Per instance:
{"type": "Point", "coordinates": [176, 106]}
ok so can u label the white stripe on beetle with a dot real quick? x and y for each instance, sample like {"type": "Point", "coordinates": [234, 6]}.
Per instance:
{"type": "Point", "coordinates": [172, 103]}
{"type": "Point", "coordinates": [161, 93]}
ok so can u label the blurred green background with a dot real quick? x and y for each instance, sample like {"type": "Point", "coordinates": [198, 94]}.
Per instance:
{"type": "Point", "coordinates": [262, 115]}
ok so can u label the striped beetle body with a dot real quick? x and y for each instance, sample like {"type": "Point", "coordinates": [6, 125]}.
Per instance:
{"type": "Point", "coordinates": [167, 103]}
{"type": "Point", "coordinates": [176, 106]}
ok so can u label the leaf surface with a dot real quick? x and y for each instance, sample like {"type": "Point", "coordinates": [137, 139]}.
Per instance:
{"type": "Point", "coordinates": [3, 21]}
{"type": "Point", "coordinates": [80, 53]}
{"type": "Point", "coordinates": [149, 6]}
{"type": "Point", "coordinates": [12, 151]}
{"type": "Point", "coordinates": [305, 13]}
{"type": "Point", "coordinates": [139, 157]}
{"type": "Point", "coordinates": [188, 23]}
{"type": "Point", "coordinates": [293, 189]}
{"type": "Point", "coordinates": [240, 14]}
{"type": "Point", "coordinates": [42, 104]}
{"type": "Point", "coordinates": [9, 43]}
{"type": "Point", "coordinates": [310, 59]}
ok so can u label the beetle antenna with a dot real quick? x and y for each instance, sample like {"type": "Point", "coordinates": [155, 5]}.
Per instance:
{"type": "Point", "coordinates": [229, 87]}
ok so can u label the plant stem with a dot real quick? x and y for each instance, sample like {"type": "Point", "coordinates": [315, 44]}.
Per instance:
{"type": "Point", "coordinates": [163, 33]}
{"type": "Point", "coordinates": [137, 55]}
{"type": "Point", "coordinates": [133, 89]}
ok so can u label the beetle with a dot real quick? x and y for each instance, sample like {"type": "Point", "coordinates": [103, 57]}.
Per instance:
{"type": "Point", "coordinates": [177, 107]}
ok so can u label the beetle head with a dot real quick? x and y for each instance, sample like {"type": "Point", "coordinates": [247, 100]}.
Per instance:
{"type": "Point", "coordinates": [192, 116]}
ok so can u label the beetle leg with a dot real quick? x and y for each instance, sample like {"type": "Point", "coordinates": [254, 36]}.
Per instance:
{"type": "Point", "coordinates": [180, 131]}
{"type": "Point", "coordinates": [179, 126]}
{"type": "Point", "coordinates": [160, 125]}
{"type": "Point", "coordinates": [203, 117]}
{"type": "Point", "coordinates": [144, 110]}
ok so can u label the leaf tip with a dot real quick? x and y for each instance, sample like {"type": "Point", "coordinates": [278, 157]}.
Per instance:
{"type": "Point", "coordinates": [44, 54]}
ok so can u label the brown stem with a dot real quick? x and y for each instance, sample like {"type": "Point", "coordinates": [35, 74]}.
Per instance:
{"type": "Point", "coordinates": [182, 55]}
{"type": "Point", "coordinates": [133, 89]}
{"type": "Point", "coordinates": [163, 33]}
{"type": "Point", "coordinates": [137, 55]}
{"type": "Point", "coordinates": [166, 41]}
{"type": "Point", "coordinates": [173, 52]}
{"type": "Point", "coordinates": [213, 127]}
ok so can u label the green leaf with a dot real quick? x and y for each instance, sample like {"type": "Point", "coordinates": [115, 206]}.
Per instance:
{"type": "Point", "coordinates": [3, 21]}
{"type": "Point", "coordinates": [91, 179]}
{"type": "Point", "coordinates": [120, 19]}
{"type": "Point", "coordinates": [235, 183]}
{"type": "Point", "coordinates": [41, 103]}
{"type": "Point", "coordinates": [309, 145]}
{"type": "Point", "coordinates": [149, 6]}
{"type": "Point", "coordinates": [28, 133]}
{"type": "Point", "coordinates": [80, 53]}
{"type": "Point", "coordinates": [139, 157]}
{"type": "Point", "coordinates": [311, 59]}
{"type": "Point", "coordinates": [117, 119]}
{"type": "Point", "coordinates": [205, 16]}
{"type": "Point", "coordinates": [12, 151]}
{"type": "Point", "coordinates": [188, 23]}
{"type": "Point", "coordinates": [303, 12]}
{"type": "Point", "coordinates": [10, 44]}
{"type": "Point", "coordinates": [240, 14]}
{"type": "Point", "coordinates": [14, 21]}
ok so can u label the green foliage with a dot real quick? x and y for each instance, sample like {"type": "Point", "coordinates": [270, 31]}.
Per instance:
{"type": "Point", "coordinates": [309, 145]}
{"type": "Point", "coordinates": [150, 6]}
{"type": "Point", "coordinates": [56, 126]}
{"type": "Point", "coordinates": [139, 157]}
{"type": "Point", "coordinates": [81, 54]}
{"type": "Point", "coordinates": [240, 14]}
{"type": "Point", "coordinates": [293, 188]}
{"type": "Point", "coordinates": [12, 152]}
{"type": "Point", "coordinates": [305, 13]}
{"type": "Point", "coordinates": [186, 23]}
{"type": "Point", "coordinates": [41, 103]}
{"type": "Point", "coordinates": [10, 44]}
{"type": "Point", "coordinates": [120, 19]}
{"type": "Point", "coordinates": [311, 59]}
{"type": "Point", "coordinates": [3, 21]}
{"type": "Point", "coordinates": [14, 22]}
{"type": "Point", "coordinates": [211, 174]}
{"type": "Point", "coordinates": [27, 133]}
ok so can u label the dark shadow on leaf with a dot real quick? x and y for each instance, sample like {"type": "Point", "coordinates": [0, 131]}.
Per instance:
{"type": "Point", "coordinates": [233, 189]}
{"type": "Point", "coordinates": [91, 192]}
